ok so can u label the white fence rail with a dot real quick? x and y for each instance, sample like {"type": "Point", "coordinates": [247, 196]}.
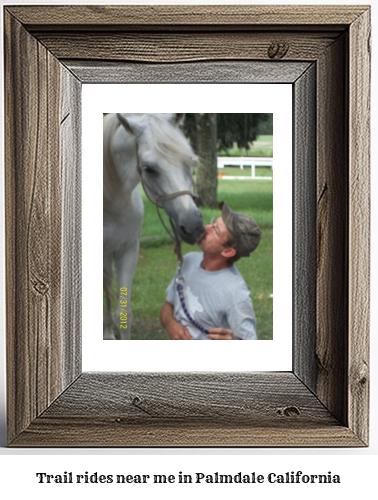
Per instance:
{"type": "Point", "coordinates": [244, 161]}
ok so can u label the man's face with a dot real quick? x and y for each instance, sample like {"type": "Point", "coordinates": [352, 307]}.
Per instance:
{"type": "Point", "coordinates": [216, 236]}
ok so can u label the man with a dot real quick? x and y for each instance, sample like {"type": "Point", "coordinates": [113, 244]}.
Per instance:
{"type": "Point", "coordinates": [214, 302]}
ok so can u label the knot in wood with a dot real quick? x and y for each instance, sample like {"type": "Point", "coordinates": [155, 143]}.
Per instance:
{"type": "Point", "coordinates": [140, 404]}
{"type": "Point", "coordinates": [136, 400]}
{"type": "Point", "coordinates": [288, 411]}
{"type": "Point", "coordinates": [361, 375]}
{"type": "Point", "coordinates": [278, 50]}
{"type": "Point", "coordinates": [41, 287]}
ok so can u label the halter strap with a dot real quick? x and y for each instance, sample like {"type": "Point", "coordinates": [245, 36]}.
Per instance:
{"type": "Point", "coordinates": [163, 197]}
{"type": "Point", "coordinates": [174, 234]}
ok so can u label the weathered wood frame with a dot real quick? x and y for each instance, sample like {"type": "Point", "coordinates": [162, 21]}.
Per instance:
{"type": "Point", "coordinates": [324, 52]}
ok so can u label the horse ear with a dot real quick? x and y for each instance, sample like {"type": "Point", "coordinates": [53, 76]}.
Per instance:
{"type": "Point", "coordinates": [179, 118]}
{"type": "Point", "coordinates": [131, 126]}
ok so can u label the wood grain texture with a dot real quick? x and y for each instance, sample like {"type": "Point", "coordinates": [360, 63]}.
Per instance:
{"type": "Point", "coordinates": [231, 397]}
{"type": "Point", "coordinates": [324, 402]}
{"type": "Point", "coordinates": [184, 16]}
{"type": "Point", "coordinates": [200, 72]}
{"type": "Point", "coordinates": [70, 161]}
{"type": "Point", "coordinates": [33, 191]}
{"type": "Point", "coordinates": [332, 230]}
{"type": "Point", "coordinates": [100, 432]}
{"type": "Point", "coordinates": [181, 47]}
{"type": "Point", "coordinates": [304, 227]}
{"type": "Point", "coordinates": [33, 228]}
{"type": "Point", "coordinates": [359, 226]}
{"type": "Point", "coordinates": [186, 410]}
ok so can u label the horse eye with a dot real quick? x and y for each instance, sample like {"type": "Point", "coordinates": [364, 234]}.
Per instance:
{"type": "Point", "coordinates": [148, 169]}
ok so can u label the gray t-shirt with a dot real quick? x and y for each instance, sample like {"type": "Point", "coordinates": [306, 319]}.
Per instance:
{"type": "Point", "coordinates": [213, 299]}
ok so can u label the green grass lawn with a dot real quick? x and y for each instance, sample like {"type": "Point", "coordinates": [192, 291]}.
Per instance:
{"type": "Point", "coordinates": [157, 262]}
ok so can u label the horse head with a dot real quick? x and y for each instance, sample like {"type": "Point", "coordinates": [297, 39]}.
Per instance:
{"type": "Point", "coordinates": [165, 163]}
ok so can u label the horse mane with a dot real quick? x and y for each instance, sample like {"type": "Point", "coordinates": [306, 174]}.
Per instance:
{"type": "Point", "coordinates": [170, 142]}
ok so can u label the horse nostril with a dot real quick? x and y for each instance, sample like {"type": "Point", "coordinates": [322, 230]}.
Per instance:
{"type": "Point", "coordinates": [184, 231]}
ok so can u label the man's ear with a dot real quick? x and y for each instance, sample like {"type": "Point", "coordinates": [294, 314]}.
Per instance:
{"type": "Point", "coordinates": [228, 252]}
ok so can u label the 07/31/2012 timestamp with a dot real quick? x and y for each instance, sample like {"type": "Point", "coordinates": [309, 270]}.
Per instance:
{"type": "Point", "coordinates": [123, 308]}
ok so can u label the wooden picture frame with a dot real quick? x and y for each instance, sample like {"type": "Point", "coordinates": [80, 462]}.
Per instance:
{"type": "Point", "coordinates": [324, 52]}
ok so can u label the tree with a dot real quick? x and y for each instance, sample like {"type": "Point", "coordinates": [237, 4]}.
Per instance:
{"type": "Point", "coordinates": [266, 127]}
{"type": "Point", "coordinates": [210, 133]}
{"type": "Point", "coordinates": [206, 146]}
{"type": "Point", "coordinates": [239, 128]}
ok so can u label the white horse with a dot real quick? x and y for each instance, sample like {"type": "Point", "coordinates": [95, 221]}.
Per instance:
{"type": "Point", "coordinates": [149, 148]}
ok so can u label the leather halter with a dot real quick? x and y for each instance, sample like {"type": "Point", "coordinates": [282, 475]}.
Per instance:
{"type": "Point", "coordinates": [164, 197]}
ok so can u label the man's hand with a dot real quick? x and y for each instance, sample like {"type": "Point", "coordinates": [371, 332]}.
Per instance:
{"type": "Point", "coordinates": [220, 334]}
{"type": "Point", "coordinates": [175, 330]}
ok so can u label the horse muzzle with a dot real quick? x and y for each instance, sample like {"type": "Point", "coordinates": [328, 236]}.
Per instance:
{"type": "Point", "coordinates": [193, 237]}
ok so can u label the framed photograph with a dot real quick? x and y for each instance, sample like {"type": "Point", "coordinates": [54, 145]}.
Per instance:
{"type": "Point", "coordinates": [246, 190]}
{"type": "Point", "coordinates": [323, 53]}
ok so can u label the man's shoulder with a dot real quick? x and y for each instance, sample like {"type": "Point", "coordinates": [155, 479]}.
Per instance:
{"type": "Point", "coordinates": [235, 280]}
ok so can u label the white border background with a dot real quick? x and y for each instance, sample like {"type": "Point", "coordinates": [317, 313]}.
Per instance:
{"type": "Point", "coordinates": [17, 473]}
{"type": "Point", "coordinates": [155, 355]}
